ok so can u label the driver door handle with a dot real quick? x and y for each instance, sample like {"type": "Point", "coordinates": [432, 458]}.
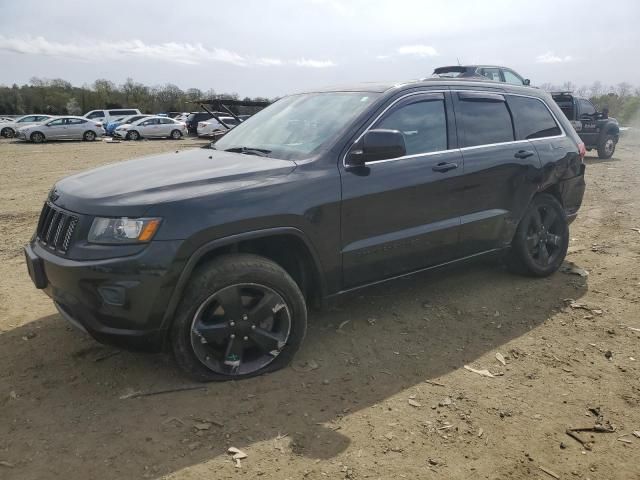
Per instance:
{"type": "Point", "coordinates": [444, 167]}
{"type": "Point", "coordinates": [523, 154]}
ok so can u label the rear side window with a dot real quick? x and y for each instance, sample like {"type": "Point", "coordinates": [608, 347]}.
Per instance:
{"type": "Point", "coordinates": [423, 125]}
{"type": "Point", "coordinates": [483, 120]}
{"type": "Point", "coordinates": [96, 114]}
{"type": "Point", "coordinates": [532, 118]}
{"type": "Point", "coordinates": [75, 121]}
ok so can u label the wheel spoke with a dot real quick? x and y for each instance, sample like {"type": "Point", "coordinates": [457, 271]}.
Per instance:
{"type": "Point", "coordinates": [549, 219]}
{"type": "Point", "coordinates": [267, 341]}
{"type": "Point", "coordinates": [213, 332]}
{"type": "Point", "coordinates": [552, 239]}
{"type": "Point", "coordinates": [231, 302]}
{"type": "Point", "coordinates": [264, 308]}
{"type": "Point", "coordinates": [233, 353]}
{"type": "Point", "coordinates": [543, 254]}
{"type": "Point", "coordinates": [532, 241]}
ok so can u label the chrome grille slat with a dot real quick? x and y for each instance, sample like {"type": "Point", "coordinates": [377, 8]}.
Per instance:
{"type": "Point", "coordinates": [56, 227]}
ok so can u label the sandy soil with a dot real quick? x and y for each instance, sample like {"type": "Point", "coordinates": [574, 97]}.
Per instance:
{"type": "Point", "coordinates": [379, 389]}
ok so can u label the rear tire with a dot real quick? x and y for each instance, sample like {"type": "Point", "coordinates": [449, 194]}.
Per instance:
{"type": "Point", "coordinates": [7, 132]}
{"type": "Point", "coordinates": [133, 135]}
{"type": "Point", "coordinates": [242, 315]}
{"type": "Point", "coordinates": [606, 147]}
{"type": "Point", "coordinates": [89, 136]}
{"type": "Point", "coordinates": [37, 137]}
{"type": "Point", "coordinates": [176, 134]}
{"type": "Point", "coordinates": [540, 243]}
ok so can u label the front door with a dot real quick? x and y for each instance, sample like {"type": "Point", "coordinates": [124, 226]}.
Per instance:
{"type": "Point", "coordinates": [402, 214]}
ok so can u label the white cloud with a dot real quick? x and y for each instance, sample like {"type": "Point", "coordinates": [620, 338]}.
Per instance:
{"type": "Point", "coordinates": [307, 62]}
{"type": "Point", "coordinates": [417, 50]}
{"type": "Point", "coordinates": [185, 53]}
{"type": "Point", "coordinates": [551, 57]}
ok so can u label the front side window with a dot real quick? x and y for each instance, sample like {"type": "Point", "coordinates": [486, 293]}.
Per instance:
{"type": "Point", "coordinates": [297, 126]}
{"type": "Point", "coordinates": [484, 120]}
{"type": "Point", "coordinates": [512, 78]}
{"type": "Point", "coordinates": [423, 125]}
{"type": "Point", "coordinates": [532, 118]}
{"type": "Point", "coordinates": [586, 107]}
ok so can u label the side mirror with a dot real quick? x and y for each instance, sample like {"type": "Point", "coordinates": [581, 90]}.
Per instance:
{"type": "Point", "coordinates": [526, 82]}
{"type": "Point", "coordinates": [605, 112]}
{"type": "Point", "coordinates": [377, 145]}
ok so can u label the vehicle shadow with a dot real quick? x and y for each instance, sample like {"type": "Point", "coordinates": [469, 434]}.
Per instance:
{"type": "Point", "coordinates": [61, 392]}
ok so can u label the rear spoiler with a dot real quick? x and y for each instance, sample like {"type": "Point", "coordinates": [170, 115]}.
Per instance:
{"type": "Point", "coordinates": [218, 104]}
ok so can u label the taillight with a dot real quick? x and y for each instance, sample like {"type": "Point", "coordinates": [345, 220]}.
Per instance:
{"type": "Point", "coordinates": [582, 150]}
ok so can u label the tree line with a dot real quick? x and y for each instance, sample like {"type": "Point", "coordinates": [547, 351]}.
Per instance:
{"type": "Point", "coordinates": [59, 97]}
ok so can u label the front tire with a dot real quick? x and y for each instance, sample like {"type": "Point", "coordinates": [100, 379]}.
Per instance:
{"type": "Point", "coordinates": [7, 132]}
{"type": "Point", "coordinates": [37, 137]}
{"type": "Point", "coordinates": [606, 147]}
{"type": "Point", "coordinates": [541, 240]}
{"type": "Point", "coordinates": [176, 134]}
{"type": "Point", "coordinates": [133, 135]}
{"type": "Point", "coordinates": [242, 315]}
{"type": "Point", "coordinates": [89, 136]}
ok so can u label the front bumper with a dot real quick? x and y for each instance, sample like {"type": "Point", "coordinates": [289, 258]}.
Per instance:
{"type": "Point", "coordinates": [120, 133]}
{"type": "Point", "coordinates": [119, 301]}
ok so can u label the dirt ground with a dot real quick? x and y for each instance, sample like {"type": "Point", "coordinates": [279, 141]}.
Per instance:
{"type": "Point", "coordinates": [379, 389]}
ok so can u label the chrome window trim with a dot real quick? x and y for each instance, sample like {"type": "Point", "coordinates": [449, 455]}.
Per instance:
{"type": "Point", "coordinates": [459, 149]}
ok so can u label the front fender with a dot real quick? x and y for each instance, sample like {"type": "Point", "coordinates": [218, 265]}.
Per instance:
{"type": "Point", "coordinates": [194, 258]}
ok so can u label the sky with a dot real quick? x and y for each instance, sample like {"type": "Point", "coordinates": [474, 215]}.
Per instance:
{"type": "Point", "coordinates": [271, 48]}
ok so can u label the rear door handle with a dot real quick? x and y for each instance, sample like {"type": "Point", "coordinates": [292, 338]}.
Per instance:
{"type": "Point", "coordinates": [444, 167]}
{"type": "Point", "coordinates": [523, 154]}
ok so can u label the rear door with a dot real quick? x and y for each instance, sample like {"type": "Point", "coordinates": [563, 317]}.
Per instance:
{"type": "Point", "coordinates": [499, 171]}
{"type": "Point", "coordinates": [76, 128]}
{"type": "Point", "coordinates": [402, 214]}
{"type": "Point", "coordinates": [165, 126]}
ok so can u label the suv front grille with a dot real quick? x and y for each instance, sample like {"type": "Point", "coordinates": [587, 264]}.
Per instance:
{"type": "Point", "coordinates": [56, 227]}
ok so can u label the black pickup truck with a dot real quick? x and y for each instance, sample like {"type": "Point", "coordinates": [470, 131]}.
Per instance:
{"type": "Point", "coordinates": [215, 253]}
{"type": "Point", "coordinates": [596, 129]}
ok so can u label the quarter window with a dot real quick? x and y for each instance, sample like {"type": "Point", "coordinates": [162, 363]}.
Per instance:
{"type": "Point", "coordinates": [423, 125]}
{"type": "Point", "coordinates": [532, 118]}
{"type": "Point", "coordinates": [484, 121]}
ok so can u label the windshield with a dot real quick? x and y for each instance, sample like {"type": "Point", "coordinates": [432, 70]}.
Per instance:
{"type": "Point", "coordinates": [296, 126]}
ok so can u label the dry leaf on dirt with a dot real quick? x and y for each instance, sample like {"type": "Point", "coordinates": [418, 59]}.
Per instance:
{"type": "Point", "coordinates": [500, 358]}
{"type": "Point", "coordinates": [484, 373]}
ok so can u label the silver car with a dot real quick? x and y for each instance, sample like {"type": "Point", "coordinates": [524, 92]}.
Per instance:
{"type": "Point", "coordinates": [62, 128]}
{"type": "Point", "coordinates": [9, 129]}
{"type": "Point", "coordinates": [151, 127]}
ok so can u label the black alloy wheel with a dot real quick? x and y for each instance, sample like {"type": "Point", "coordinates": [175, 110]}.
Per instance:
{"type": "Point", "coordinates": [240, 329]}
{"type": "Point", "coordinates": [540, 243]}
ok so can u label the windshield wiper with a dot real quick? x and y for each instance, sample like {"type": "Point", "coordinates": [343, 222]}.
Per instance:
{"type": "Point", "coordinates": [261, 152]}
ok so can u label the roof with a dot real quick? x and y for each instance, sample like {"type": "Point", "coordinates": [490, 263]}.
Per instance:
{"type": "Point", "coordinates": [381, 87]}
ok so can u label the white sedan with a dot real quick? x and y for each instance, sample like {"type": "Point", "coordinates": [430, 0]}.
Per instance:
{"type": "Point", "coordinates": [213, 128]}
{"type": "Point", "coordinates": [151, 127]}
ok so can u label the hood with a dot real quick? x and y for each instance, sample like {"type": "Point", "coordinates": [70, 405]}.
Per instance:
{"type": "Point", "coordinates": [130, 188]}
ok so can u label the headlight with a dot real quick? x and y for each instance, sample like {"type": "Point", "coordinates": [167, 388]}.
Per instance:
{"type": "Point", "coordinates": [123, 230]}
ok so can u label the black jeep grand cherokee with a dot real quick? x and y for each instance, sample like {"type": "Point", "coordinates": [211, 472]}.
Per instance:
{"type": "Point", "coordinates": [215, 253]}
